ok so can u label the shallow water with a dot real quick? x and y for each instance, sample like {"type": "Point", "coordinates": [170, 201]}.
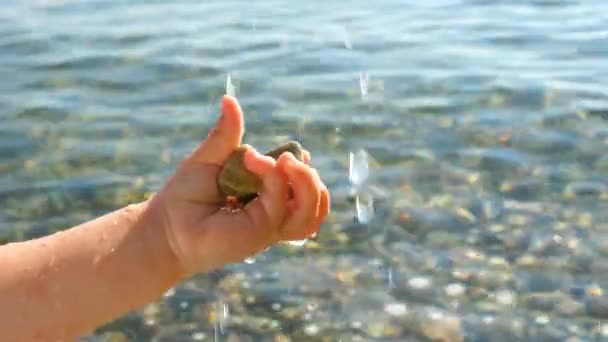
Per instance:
{"type": "Point", "coordinates": [485, 124]}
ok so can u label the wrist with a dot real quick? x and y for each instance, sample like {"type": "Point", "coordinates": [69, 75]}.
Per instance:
{"type": "Point", "coordinates": [161, 259]}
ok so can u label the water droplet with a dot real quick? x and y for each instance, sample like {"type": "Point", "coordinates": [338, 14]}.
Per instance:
{"type": "Point", "coordinates": [183, 305]}
{"type": "Point", "coordinates": [363, 84]}
{"type": "Point", "coordinates": [297, 243]}
{"type": "Point", "coordinates": [225, 311]}
{"type": "Point", "coordinates": [222, 316]}
{"type": "Point", "coordinates": [216, 332]}
{"type": "Point", "coordinates": [52, 261]}
{"type": "Point", "coordinates": [390, 278]}
{"type": "Point", "coordinates": [169, 293]}
{"type": "Point", "coordinates": [230, 89]}
{"type": "Point", "coordinates": [284, 44]}
{"type": "Point", "coordinates": [346, 38]}
{"type": "Point", "coordinates": [364, 205]}
{"type": "Point", "coordinates": [249, 260]}
{"type": "Point", "coordinates": [358, 170]}
{"type": "Point", "coordinates": [115, 222]}
{"type": "Point", "coordinates": [96, 260]}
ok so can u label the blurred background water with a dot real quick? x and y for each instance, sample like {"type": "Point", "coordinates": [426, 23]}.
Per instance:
{"type": "Point", "coordinates": [483, 124]}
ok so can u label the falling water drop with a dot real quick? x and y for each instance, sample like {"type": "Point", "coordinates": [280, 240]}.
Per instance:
{"type": "Point", "coordinates": [358, 169]}
{"type": "Point", "coordinates": [223, 316]}
{"type": "Point", "coordinates": [390, 278]}
{"type": "Point", "coordinates": [297, 243]}
{"type": "Point", "coordinates": [358, 175]}
{"type": "Point", "coordinates": [347, 42]}
{"type": "Point", "coordinates": [364, 205]}
{"type": "Point", "coordinates": [363, 84]}
{"type": "Point", "coordinates": [230, 88]}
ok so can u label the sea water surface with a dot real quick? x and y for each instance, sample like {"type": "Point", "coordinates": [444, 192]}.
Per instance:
{"type": "Point", "coordinates": [463, 141]}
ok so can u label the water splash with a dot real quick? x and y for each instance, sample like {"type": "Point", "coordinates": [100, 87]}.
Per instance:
{"type": "Point", "coordinates": [230, 88]}
{"type": "Point", "coordinates": [249, 260]}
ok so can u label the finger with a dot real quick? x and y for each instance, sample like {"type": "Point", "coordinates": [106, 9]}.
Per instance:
{"type": "Point", "coordinates": [268, 211]}
{"type": "Point", "coordinates": [307, 197]}
{"type": "Point", "coordinates": [258, 163]}
{"type": "Point", "coordinates": [306, 157]}
{"type": "Point", "coordinates": [224, 137]}
{"type": "Point", "coordinates": [234, 237]}
{"type": "Point", "coordinates": [324, 208]}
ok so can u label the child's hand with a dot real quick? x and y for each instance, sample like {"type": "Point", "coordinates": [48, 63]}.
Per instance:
{"type": "Point", "coordinates": [203, 236]}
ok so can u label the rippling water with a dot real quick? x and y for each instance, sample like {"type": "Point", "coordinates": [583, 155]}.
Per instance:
{"type": "Point", "coordinates": [485, 123]}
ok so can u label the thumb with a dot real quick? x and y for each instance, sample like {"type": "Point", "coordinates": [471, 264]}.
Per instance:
{"type": "Point", "coordinates": [224, 137]}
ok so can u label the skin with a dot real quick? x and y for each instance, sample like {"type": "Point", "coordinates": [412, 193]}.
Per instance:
{"type": "Point", "coordinates": [62, 286]}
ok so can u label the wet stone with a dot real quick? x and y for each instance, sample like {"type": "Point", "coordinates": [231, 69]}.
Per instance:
{"type": "Point", "coordinates": [562, 120]}
{"type": "Point", "coordinates": [547, 333]}
{"type": "Point", "coordinates": [490, 279]}
{"type": "Point", "coordinates": [586, 190]}
{"type": "Point", "coordinates": [543, 301]}
{"type": "Point", "coordinates": [552, 248]}
{"type": "Point", "coordinates": [570, 307]}
{"type": "Point", "coordinates": [493, 329]}
{"type": "Point", "coordinates": [260, 326]}
{"type": "Point", "coordinates": [433, 324]}
{"type": "Point", "coordinates": [446, 329]}
{"type": "Point", "coordinates": [524, 189]}
{"type": "Point", "coordinates": [538, 282]}
{"type": "Point", "coordinates": [423, 220]}
{"type": "Point", "coordinates": [580, 264]}
{"type": "Point", "coordinates": [597, 307]}
{"type": "Point", "coordinates": [545, 141]}
{"type": "Point", "coordinates": [601, 164]}
{"type": "Point", "coordinates": [416, 289]}
{"type": "Point", "coordinates": [497, 161]}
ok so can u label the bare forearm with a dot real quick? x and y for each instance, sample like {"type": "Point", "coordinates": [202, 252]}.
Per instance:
{"type": "Point", "coordinates": [66, 284]}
